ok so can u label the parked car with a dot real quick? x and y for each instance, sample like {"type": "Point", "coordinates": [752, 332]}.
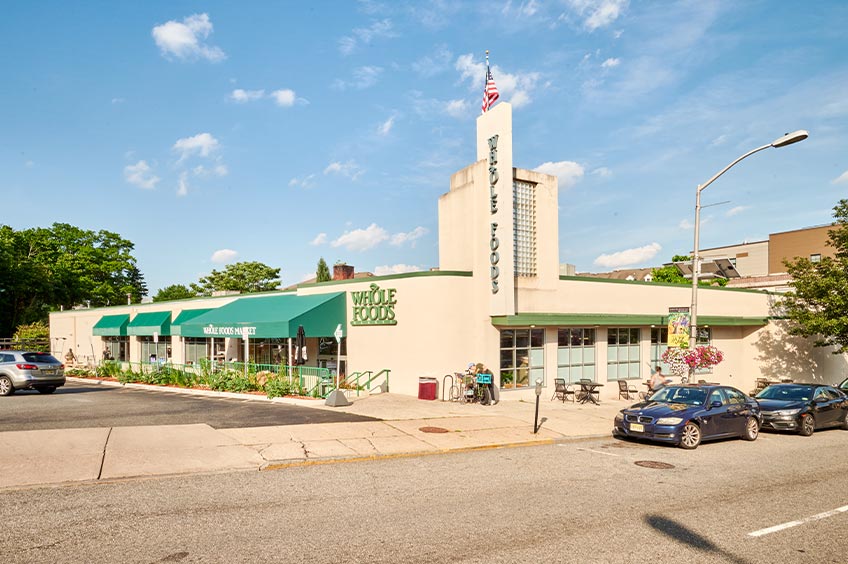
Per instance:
{"type": "Point", "coordinates": [802, 407]}
{"type": "Point", "coordinates": [28, 370]}
{"type": "Point", "coordinates": [687, 414]}
{"type": "Point", "coordinates": [843, 386]}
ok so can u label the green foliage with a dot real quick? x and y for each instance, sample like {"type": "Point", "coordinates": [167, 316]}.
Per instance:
{"type": "Point", "coordinates": [34, 336]}
{"type": "Point", "coordinates": [240, 277]}
{"type": "Point", "coordinates": [43, 269]}
{"type": "Point", "coordinates": [670, 275]}
{"type": "Point", "coordinates": [322, 274]}
{"type": "Point", "coordinates": [173, 292]}
{"type": "Point", "coordinates": [108, 369]}
{"type": "Point", "coordinates": [230, 381]}
{"type": "Point", "coordinates": [280, 386]}
{"type": "Point", "coordinates": [817, 305]}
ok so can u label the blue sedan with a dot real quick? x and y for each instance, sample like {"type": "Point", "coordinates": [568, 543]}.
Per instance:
{"type": "Point", "coordinates": [687, 414]}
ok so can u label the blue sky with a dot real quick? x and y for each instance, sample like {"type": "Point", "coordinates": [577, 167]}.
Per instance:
{"type": "Point", "coordinates": [214, 132]}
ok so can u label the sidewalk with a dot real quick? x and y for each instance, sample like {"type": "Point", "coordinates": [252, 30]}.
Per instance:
{"type": "Point", "coordinates": [408, 427]}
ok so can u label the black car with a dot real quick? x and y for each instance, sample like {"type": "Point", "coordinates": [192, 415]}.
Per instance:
{"type": "Point", "coordinates": [803, 407]}
{"type": "Point", "coordinates": [687, 414]}
{"type": "Point", "coordinates": [843, 386]}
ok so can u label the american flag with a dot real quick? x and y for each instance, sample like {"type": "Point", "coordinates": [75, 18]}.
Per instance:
{"type": "Point", "coordinates": [490, 92]}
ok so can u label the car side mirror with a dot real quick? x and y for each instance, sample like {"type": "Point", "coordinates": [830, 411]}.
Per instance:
{"type": "Point", "coordinates": [715, 403]}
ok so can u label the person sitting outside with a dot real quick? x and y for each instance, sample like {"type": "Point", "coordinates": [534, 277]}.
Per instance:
{"type": "Point", "coordinates": [657, 380]}
{"type": "Point", "coordinates": [70, 358]}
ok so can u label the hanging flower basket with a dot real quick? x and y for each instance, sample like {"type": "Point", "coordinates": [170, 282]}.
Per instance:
{"type": "Point", "coordinates": [681, 361]}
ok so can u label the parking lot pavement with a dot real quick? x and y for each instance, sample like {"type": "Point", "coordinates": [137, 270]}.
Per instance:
{"type": "Point", "coordinates": [87, 405]}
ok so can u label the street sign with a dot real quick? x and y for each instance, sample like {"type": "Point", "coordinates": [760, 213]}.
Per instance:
{"type": "Point", "coordinates": [338, 333]}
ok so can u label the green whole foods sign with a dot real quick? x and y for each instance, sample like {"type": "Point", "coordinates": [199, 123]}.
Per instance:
{"type": "Point", "coordinates": [375, 306]}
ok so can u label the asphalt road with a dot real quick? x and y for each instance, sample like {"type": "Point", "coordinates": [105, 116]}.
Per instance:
{"type": "Point", "coordinates": [83, 405]}
{"type": "Point", "coordinates": [772, 500]}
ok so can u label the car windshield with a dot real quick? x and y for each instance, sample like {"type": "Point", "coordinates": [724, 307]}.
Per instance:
{"type": "Point", "coordinates": [43, 358]}
{"type": "Point", "coordinates": [680, 394]}
{"type": "Point", "coordinates": [787, 393]}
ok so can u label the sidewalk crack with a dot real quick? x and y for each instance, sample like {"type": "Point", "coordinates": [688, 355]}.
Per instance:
{"type": "Point", "coordinates": [103, 458]}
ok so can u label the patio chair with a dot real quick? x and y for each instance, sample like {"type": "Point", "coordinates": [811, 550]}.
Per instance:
{"type": "Point", "coordinates": [562, 390]}
{"type": "Point", "coordinates": [625, 390]}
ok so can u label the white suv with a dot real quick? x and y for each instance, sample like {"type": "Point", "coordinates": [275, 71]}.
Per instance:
{"type": "Point", "coordinates": [26, 370]}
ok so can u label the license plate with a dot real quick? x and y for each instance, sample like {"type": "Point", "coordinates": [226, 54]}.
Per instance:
{"type": "Point", "coordinates": [49, 372]}
{"type": "Point", "coordinates": [638, 427]}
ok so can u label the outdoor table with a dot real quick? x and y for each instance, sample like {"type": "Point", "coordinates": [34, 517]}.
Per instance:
{"type": "Point", "coordinates": [586, 389]}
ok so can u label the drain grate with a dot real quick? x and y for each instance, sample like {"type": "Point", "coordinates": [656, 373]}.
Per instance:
{"type": "Point", "coordinates": [433, 430]}
{"type": "Point", "coordinates": [653, 464]}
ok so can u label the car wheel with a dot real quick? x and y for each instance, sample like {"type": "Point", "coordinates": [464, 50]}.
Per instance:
{"type": "Point", "coordinates": [752, 429]}
{"type": "Point", "coordinates": [6, 387]}
{"type": "Point", "coordinates": [807, 426]}
{"type": "Point", "coordinates": [46, 389]}
{"type": "Point", "coordinates": [845, 421]}
{"type": "Point", "coordinates": [690, 436]}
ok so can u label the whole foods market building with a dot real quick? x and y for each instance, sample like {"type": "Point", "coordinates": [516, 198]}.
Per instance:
{"type": "Point", "coordinates": [497, 298]}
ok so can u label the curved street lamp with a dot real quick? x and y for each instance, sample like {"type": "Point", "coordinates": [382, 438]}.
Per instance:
{"type": "Point", "coordinates": [787, 139]}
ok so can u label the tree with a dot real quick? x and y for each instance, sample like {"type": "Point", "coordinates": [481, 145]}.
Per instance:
{"type": "Point", "coordinates": [239, 277]}
{"type": "Point", "coordinates": [43, 269]}
{"type": "Point", "coordinates": [173, 292]}
{"type": "Point", "coordinates": [323, 272]}
{"type": "Point", "coordinates": [817, 304]}
{"type": "Point", "coordinates": [669, 274]}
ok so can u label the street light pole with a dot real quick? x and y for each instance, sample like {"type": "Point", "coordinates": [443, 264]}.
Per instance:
{"type": "Point", "coordinates": [787, 139]}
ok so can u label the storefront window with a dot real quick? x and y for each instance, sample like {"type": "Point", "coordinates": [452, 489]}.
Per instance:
{"type": "Point", "coordinates": [117, 348]}
{"type": "Point", "coordinates": [196, 348]}
{"type": "Point", "coordinates": [268, 351]}
{"type": "Point", "coordinates": [522, 357]}
{"type": "Point", "coordinates": [622, 353]}
{"type": "Point", "coordinates": [659, 344]}
{"type": "Point", "coordinates": [576, 354]}
{"type": "Point", "coordinates": [155, 352]}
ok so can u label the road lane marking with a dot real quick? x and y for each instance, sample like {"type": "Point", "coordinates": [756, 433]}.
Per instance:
{"type": "Point", "coordinates": [598, 451]}
{"type": "Point", "coordinates": [791, 524]}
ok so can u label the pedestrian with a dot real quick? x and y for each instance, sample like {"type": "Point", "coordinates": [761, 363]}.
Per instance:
{"type": "Point", "coordinates": [657, 380]}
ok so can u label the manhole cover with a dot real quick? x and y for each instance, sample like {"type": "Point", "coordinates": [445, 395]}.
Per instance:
{"type": "Point", "coordinates": [433, 430]}
{"type": "Point", "coordinates": [653, 464]}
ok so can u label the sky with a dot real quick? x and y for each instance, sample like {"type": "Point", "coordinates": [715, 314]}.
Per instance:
{"type": "Point", "coordinates": [214, 132]}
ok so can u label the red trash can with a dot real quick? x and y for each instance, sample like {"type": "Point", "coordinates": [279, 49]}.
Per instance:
{"type": "Point", "coordinates": [427, 388]}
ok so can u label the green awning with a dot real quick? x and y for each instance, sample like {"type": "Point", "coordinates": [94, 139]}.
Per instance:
{"type": "Point", "coordinates": [148, 323]}
{"type": "Point", "coordinates": [271, 317]}
{"type": "Point", "coordinates": [112, 325]}
{"type": "Point", "coordinates": [184, 316]}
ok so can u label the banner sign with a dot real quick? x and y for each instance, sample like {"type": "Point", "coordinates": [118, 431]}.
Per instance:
{"type": "Point", "coordinates": [678, 327]}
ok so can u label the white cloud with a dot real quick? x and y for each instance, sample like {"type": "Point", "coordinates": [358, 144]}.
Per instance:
{"type": "Point", "coordinates": [186, 40]}
{"type": "Point", "coordinates": [363, 77]}
{"type": "Point", "coordinates": [307, 181]}
{"type": "Point", "coordinates": [362, 239]}
{"type": "Point", "coordinates": [385, 127]}
{"type": "Point", "coordinates": [319, 239]}
{"type": "Point", "coordinates": [841, 179]}
{"type": "Point", "coordinates": [514, 88]}
{"type": "Point", "coordinates": [365, 35]}
{"type": "Point", "coordinates": [349, 169]}
{"type": "Point", "coordinates": [223, 256]}
{"type": "Point", "coordinates": [720, 140]}
{"type": "Point", "coordinates": [201, 144]}
{"type": "Point", "coordinates": [217, 170]}
{"type": "Point", "coordinates": [242, 96]}
{"type": "Point", "coordinates": [456, 108]}
{"type": "Point", "coordinates": [598, 13]}
{"type": "Point", "coordinates": [284, 97]}
{"type": "Point", "coordinates": [568, 172]}
{"type": "Point", "coordinates": [610, 63]}
{"type": "Point", "coordinates": [431, 65]}
{"type": "Point", "coordinates": [685, 224]}
{"type": "Point", "coordinates": [395, 269]}
{"type": "Point", "coordinates": [118, 100]}
{"type": "Point", "coordinates": [141, 175]}
{"type": "Point", "coordinates": [410, 237]}
{"type": "Point", "coordinates": [182, 185]}
{"type": "Point", "coordinates": [602, 171]}
{"type": "Point", "coordinates": [629, 257]}
{"type": "Point", "coordinates": [735, 211]}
